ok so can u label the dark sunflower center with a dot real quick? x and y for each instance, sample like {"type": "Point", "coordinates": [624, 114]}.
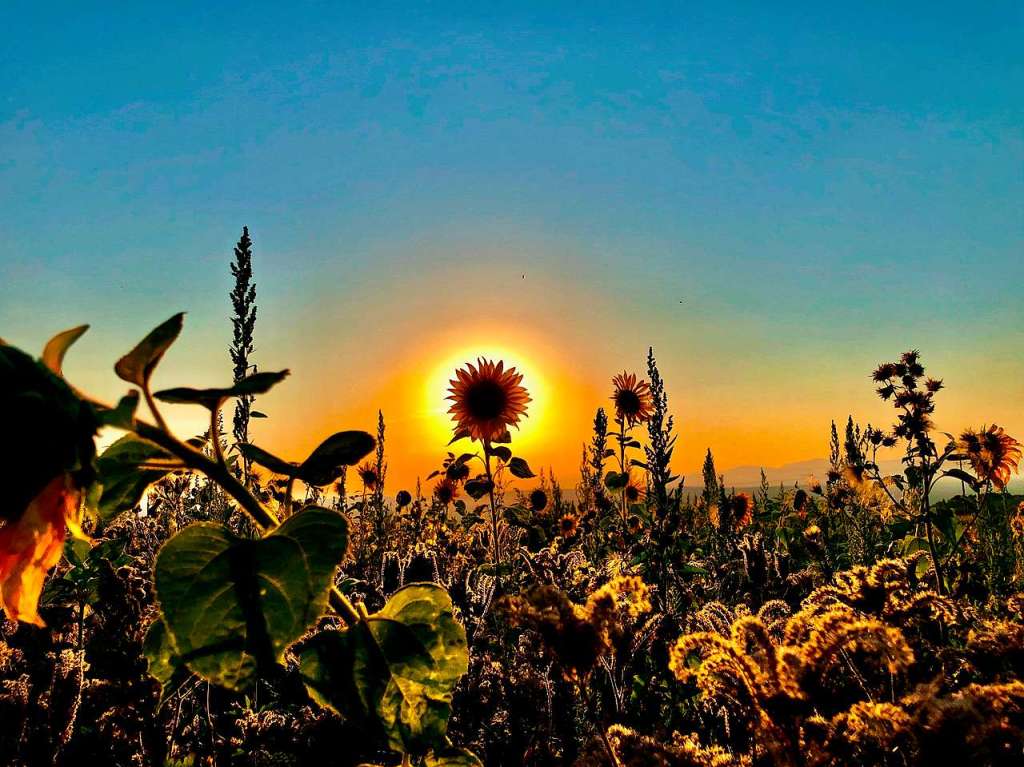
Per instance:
{"type": "Point", "coordinates": [627, 401]}
{"type": "Point", "coordinates": [486, 400]}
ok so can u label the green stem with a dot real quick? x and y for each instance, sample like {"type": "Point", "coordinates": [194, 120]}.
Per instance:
{"type": "Point", "coordinates": [494, 508]}
{"type": "Point", "coordinates": [151, 404]}
{"type": "Point", "coordinates": [263, 517]}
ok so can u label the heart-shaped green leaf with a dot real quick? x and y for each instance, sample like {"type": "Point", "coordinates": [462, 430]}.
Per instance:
{"type": "Point", "coordinates": [396, 669]}
{"type": "Point", "coordinates": [161, 657]}
{"type": "Point", "coordinates": [126, 469]}
{"type": "Point", "coordinates": [137, 366]}
{"type": "Point", "coordinates": [232, 606]}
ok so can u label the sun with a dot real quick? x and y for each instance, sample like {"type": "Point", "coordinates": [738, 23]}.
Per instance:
{"type": "Point", "coordinates": [436, 390]}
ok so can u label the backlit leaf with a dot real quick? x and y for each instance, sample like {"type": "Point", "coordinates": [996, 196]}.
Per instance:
{"type": "Point", "coordinates": [519, 468]}
{"type": "Point", "coordinates": [232, 606]}
{"type": "Point", "coordinates": [56, 347]}
{"type": "Point", "coordinates": [126, 469]}
{"type": "Point", "coordinates": [395, 670]}
{"type": "Point", "coordinates": [345, 448]}
{"type": "Point", "coordinates": [137, 366]}
{"type": "Point", "coordinates": [212, 399]}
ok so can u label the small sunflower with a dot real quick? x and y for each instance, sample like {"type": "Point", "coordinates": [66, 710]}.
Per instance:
{"type": "Point", "coordinates": [568, 525]}
{"type": "Point", "coordinates": [993, 454]}
{"type": "Point", "coordinates": [538, 500]}
{"type": "Point", "coordinates": [487, 399]}
{"type": "Point", "coordinates": [368, 475]}
{"type": "Point", "coordinates": [446, 491]}
{"type": "Point", "coordinates": [634, 490]}
{"type": "Point", "coordinates": [403, 499]}
{"type": "Point", "coordinates": [742, 510]}
{"type": "Point", "coordinates": [632, 398]}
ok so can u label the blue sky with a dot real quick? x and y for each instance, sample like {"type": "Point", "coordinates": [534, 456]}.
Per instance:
{"type": "Point", "coordinates": [819, 185]}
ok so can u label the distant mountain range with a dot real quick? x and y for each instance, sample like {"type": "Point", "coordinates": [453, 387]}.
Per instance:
{"type": "Point", "coordinates": [746, 478]}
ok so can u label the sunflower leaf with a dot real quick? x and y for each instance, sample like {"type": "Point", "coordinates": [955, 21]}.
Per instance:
{"type": "Point", "coordinates": [137, 366]}
{"type": "Point", "coordinates": [345, 448]}
{"type": "Point", "coordinates": [212, 399]}
{"type": "Point", "coordinates": [520, 468]}
{"type": "Point", "coordinates": [57, 347]}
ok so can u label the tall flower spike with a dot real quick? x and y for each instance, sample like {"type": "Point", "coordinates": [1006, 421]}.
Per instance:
{"type": "Point", "coordinates": [487, 399]}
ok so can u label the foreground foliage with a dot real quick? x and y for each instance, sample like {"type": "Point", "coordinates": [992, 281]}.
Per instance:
{"type": "Point", "coordinates": [208, 602]}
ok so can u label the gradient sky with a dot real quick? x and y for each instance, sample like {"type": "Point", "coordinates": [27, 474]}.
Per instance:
{"type": "Point", "coordinates": [775, 198]}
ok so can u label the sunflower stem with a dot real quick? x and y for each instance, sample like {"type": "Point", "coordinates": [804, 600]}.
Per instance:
{"type": "Point", "coordinates": [494, 508]}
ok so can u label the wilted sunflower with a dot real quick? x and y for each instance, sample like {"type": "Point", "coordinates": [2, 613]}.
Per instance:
{"type": "Point", "coordinates": [487, 399]}
{"type": "Point", "coordinates": [446, 491]}
{"type": "Point", "coordinates": [403, 499]}
{"type": "Point", "coordinates": [632, 398]}
{"type": "Point", "coordinates": [568, 525]}
{"type": "Point", "coordinates": [46, 477]}
{"type": "Point", "coordinates": [993, 454]}
{"type": "Point", "coordinates": [368, 475]}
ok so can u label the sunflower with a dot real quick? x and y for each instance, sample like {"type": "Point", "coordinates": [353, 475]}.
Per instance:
{"type": "Point", "coordinates": [32, 544]}
{"type": "Point", "coordinates": [993, 454]}
{"type": "Point", "coordinates": [632, 398]}
{"type": "Point", "coordinates": [487, 399]}
{"type": "Point", "coordinates": [368, 475]}
{"type": "Point", "coordinates": [403, 499]}
{"type": "Point", "coordinates": [446, 491]}
{"type": "Point", "coordinates": [538, 500]}
{"type": "Point", "coordinates": [742, 510]}
{"type": "Point", "coordinates": [45, 478]}
{"type": "Point", "coordinates": [633, 490]}
{"type": "Point", "coordinates": [568, 525]}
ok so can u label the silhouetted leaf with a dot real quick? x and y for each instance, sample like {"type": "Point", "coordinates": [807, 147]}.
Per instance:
{"type": "Point", "coordinates": [212, 399]}
{"type": "Point", "coordinates": [501, 452]}
{"type": "Point", "coordinates": [477, 488]}
{"type": "Point", "coordinates": [267, 460]}
{"type": "Point", "coordinates": [257, 414]}
{"type": "Point", "coordinates": [137, 366]}
{"type": "Point", "coordinates": [345, 448]}
{"type": "Point", "coordinates": [232, 606]}
{"type": "Point", "coordinates": [519, 468]}
{"type": "Point", "coordinates": [459, 434]}
{"type": "Point", "coordinates": [56, 347]}
{"type": "Point", "coordinates": [963, 476]}
{"type": "Point", "coordinates": [613, 480]}
{"type": "Point", "coordinates": [517, 515]}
